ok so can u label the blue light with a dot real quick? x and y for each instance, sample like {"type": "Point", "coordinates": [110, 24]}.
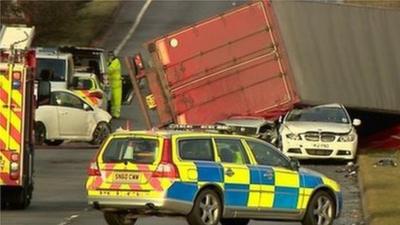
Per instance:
{"type": "Point", "coordinates": [16, 84]}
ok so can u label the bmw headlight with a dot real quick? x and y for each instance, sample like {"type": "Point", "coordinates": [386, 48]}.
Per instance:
{"type": "Point", "coordinates": [293, 136]}
{"type": "Point", "coordinates": [347, 138]}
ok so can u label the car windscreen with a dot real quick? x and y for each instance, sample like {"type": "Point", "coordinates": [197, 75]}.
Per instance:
{"type": "Point", "coordinates": [134, 150]}
{"type": "Point", "coordinates": [319, 114]}
{"type": "Point", "coordinates": [54, 69]}
{"type": "Point", "coordinates": [91, 62]}
{"type": "Point", "coordinates": [82, 84]}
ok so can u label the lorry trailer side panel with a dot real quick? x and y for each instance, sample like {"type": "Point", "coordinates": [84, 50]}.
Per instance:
{"type": "Point", "coordinates": [342, 53]}
{"type": "Point", "coordinates": [230, 64]}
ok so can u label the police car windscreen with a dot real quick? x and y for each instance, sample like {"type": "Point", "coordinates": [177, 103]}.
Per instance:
{"type": "Point", "coordinates": [134, 150]}
{"type": "Point", "coordinates": [52, 69]}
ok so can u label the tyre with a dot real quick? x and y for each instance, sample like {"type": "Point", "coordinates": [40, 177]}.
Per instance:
{"type": "Point", "coordinates": [235, 221]}
{"type": "Point", "coordinates": [53, 142]}
{"type": "Point", "coordinates": [40, 133]}
{"type": "Point", "coordinates": [206, 209]}
{"type": "Point", "coordinates": [100, 133]}
{"type": "Point", "coordinates": [320, 210]}
{"type": "Point", "coordinates": [20, 198]}
{"type": "Point", "coordinates": [117, 218]}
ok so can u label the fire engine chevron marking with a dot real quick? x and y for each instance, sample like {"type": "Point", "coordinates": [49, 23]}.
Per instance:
{"type": "Point", "coordinates": [5, 178]}
{"type": "Point", "coordinates": [3, 121]}
{"type": "Point", "coordinates": [15, 134]}
{"type": "Point", "coordinates": [2, 144]}
{"type": "Point", "coordinates": [3, 95]}
{"type": "Point", "coordinates": [15, 126]}
{"type": "Point", "coordinates": [16, 98]}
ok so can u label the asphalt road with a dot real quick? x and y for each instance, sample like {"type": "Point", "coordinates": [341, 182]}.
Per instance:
{"type": "Point", "coordinates": [59, 197]}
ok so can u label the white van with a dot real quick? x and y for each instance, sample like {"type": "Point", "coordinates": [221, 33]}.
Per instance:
{"type": "Point", "coordinates": [57, 66]}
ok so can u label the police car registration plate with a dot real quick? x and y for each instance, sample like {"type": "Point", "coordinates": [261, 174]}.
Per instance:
{"type": "Point", "coordinates": [125, 177]}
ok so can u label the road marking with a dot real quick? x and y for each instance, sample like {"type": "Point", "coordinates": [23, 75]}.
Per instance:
{"type": "Point", "coordinates": [134, 26]}
{"type": "Point", "coordinates": [69, 220]}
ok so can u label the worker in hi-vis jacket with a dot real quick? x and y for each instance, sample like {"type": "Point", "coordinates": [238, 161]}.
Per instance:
{"type": "Point", "coordinates": [114, 77]}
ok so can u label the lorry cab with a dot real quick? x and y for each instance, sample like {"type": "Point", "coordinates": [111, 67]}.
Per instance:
{"type": "Point", "coordinates": [54, 66]}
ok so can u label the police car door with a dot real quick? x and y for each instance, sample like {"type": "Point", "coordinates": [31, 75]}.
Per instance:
{"type": "Point", "coordinates": [279, 184]}
{"type": "Point", "coordinates": [234, 160]}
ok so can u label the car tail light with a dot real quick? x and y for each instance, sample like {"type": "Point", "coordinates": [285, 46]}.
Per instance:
{"type": "Point", "coordinates": [93, 169]}
{"type": "Point", "coordinates": [14, 157]}
{"type": "Point", "coordinates": [14, 166]}
{"type": "Point", "coordinates": [166, 168]}
{"type": "Point", "coordinates": [16, 75]}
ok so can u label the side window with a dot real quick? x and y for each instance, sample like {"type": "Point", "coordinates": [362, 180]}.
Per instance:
{"type": "Point", "coordinates": [267, 155]}
{"type": "Point", "coordinates": [196, 149]}
{"type": "Point", "coordinates": [66, 100]}
{"type": "Point", "coordinates": [231, 151]}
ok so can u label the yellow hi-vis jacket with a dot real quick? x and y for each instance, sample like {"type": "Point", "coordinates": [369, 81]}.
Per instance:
{"type": "Point", "coordinates": [114, 76]}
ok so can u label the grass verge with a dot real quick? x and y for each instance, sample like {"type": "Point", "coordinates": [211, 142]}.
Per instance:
{"type": "Point", "coordinates": [380, 187]}
{"type": "Point", "coordinates": [86, 25]}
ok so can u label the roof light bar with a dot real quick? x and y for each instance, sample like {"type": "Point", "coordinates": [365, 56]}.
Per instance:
{"type": "Point", "coordinates": [216, 127]}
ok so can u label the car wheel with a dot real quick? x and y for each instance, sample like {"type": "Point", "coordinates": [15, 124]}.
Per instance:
{"type": "Point", "coordinates": [206, 210]}
{"type": "Point", "coordinates": [40, 133]}
{"type": "Point", "coordinates": [118, 218]}
{"type": "Point", "coordinates": [100, 133]}
{"type": "Point", "coordinates": [320, 210]}
{"type": "Point", "coordinates": [53, 142]}
{"type": "Point", "coordinates": [235, 221]}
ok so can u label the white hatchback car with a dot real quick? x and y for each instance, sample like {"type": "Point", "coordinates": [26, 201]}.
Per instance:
{"type": "Point", "coordinates": [69, 117]}
{"type": "Point", "coordinates": [324, 131]}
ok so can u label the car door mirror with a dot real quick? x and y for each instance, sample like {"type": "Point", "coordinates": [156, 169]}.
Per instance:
{"type": "Point", "coordinates": [295, 164]}
{"type": "Point", "coordinates": [43, 92]}
{"type": "Point", "coordinates": [87, 107]}
{"type": "Point", "coordinates": [356, 122]}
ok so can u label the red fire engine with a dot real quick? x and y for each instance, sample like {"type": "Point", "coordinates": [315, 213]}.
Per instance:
{"type": "Point", "coordinates": [17, 105]}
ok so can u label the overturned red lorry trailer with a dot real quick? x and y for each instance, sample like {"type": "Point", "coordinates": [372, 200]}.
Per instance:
{"type": "Point", "coordinates": [237, 63]}
{"type": "Point", "coordinates": [231, 64]}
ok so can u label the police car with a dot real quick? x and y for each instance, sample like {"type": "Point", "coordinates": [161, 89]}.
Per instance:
{"type": "Point", "coordinates": [87, 86]}
{"type": "Point", "coordinates": [206, 177]}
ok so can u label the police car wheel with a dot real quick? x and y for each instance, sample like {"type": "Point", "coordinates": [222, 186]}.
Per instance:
{"type": "Point", "coordinates": [320, 210]}
{"type": "Point", "coordinates": [118, 218]}
{"type": "Point", "coordinates": [235, 221]}
{"type": "Point", "coordinates": [206, 210]}
{"type": "Point", "coordinates": [100, 133]}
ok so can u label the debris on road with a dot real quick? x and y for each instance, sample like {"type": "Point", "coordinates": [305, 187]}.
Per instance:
{"type": "Point", "coordinates": [386, 162]}
{"type": "Point", "coordinates": [350, 169]}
